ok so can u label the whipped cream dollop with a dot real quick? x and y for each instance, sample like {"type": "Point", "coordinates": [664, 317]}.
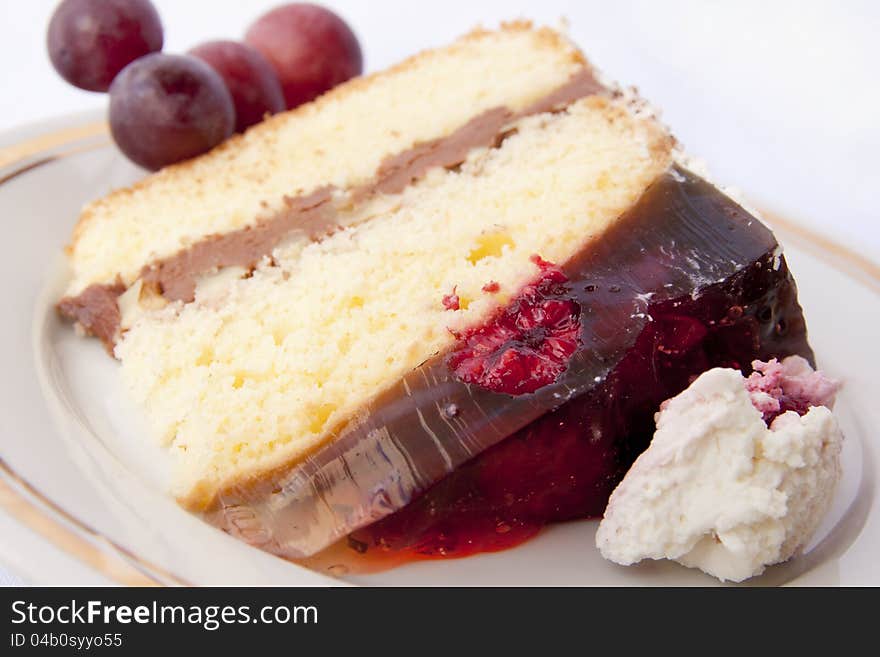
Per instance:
{"type": "Point", "coordinates": [720, 490]}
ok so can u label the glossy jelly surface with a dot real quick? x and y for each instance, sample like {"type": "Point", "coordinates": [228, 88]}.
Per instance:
{"type": "Point", "coordinates": [565, 464]}
{"type": "Point", "coordinates": [476, 451]}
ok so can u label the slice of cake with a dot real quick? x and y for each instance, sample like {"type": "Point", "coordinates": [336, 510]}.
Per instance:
{"type": "Point", "coordinates": [437, 307]}
{"type": "Point", "coordinates": [362, 133]}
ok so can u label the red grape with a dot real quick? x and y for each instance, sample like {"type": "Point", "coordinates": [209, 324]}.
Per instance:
{"type": "Point", "coordinates": [167, 108]}
{"type": "Point", "coordinates": [311, 48]}
{"type": "Point", "coordinates": [90, 41]}
{"type": "Point", "coordinates": [251, 80]}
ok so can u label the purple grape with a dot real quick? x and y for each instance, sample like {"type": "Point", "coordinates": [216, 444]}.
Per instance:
{"type": "Point", "coordinates": [310, 47]}
{"type": "Point", "coordinates": [167, 108]}
{"type": "Point", "coordinates": [250, 78]}
{"type": "Point", "coordinates": [90, 41]}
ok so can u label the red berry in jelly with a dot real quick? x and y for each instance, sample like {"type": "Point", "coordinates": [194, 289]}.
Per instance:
{"type": "Point", "coordinates": [527, 344]}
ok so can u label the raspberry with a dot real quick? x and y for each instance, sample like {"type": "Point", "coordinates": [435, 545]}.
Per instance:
{"type": "Point", "coordinates": [792, 385]}
{"type": "Point", "coordinates": [451, 301]}
{"type": "Point", "coordinates": [526, 345]}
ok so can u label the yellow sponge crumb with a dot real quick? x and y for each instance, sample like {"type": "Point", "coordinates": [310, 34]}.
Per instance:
{"type": "Point", "coordinates": [253, 374]}
{"type": "Point", "coordinates": [338, 140]}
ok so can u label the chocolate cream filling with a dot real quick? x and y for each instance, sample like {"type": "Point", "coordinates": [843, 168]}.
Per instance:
{"type": "Point", "coordinates": [313, 215]}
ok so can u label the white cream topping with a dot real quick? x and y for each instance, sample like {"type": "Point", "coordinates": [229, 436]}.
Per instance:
{"type": "Point", "coordinates": [720, 491]}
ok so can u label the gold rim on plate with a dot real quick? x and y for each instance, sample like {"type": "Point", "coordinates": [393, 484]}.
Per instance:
{"type": "Point", "coordinates": [74, 537]}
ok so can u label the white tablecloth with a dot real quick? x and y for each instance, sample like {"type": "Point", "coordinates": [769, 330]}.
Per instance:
{"type": "Point", "coordinates": [780, 98]}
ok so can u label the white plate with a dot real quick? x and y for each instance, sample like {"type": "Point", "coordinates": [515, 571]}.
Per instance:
{"type": "Point", "coordinates": [72, 467]}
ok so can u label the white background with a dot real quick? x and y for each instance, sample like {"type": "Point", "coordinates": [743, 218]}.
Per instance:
{"type": "Point", "coordinates": [782, 99]}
